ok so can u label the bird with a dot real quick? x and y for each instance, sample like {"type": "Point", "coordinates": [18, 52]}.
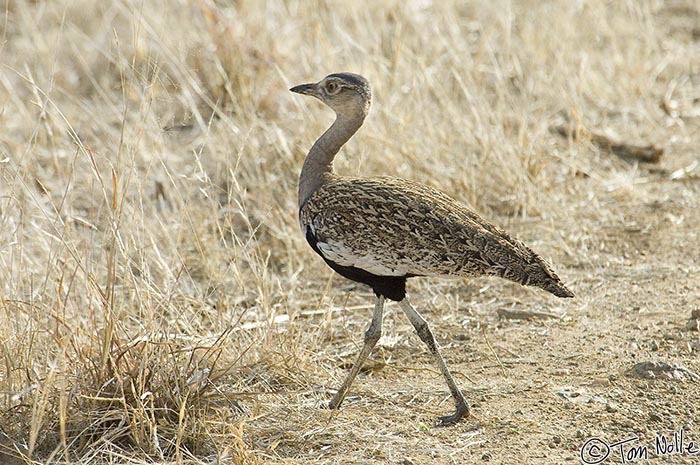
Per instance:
{"type": "Point", "coordinates": [381, 231]}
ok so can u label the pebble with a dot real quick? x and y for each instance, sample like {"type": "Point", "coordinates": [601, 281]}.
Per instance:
{"type": "Point", "coordinates": [612, 407]}
{"type": "Point", "coordinates": [600, 381]}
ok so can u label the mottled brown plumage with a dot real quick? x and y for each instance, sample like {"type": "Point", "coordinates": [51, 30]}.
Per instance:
{"type": "Point", "coordinates": [382, 230]}
{"type": "Point", "coordinates": [395, 227]}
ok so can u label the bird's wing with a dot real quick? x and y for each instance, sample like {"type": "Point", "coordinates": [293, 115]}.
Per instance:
{"type": "Point", "coordinates": [392, 227]}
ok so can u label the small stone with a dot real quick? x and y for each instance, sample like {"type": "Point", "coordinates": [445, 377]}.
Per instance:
{"type": "Point", "coordinates": [612, 407]}
{"type": "Point", "coordinates": [661, 370]}
{"type": "Point", "coordinates": [486, 457]}
{"type": "Point", "coordinates": [654, 417]}
{"type": "Point", "coordinates": [693, 324]}
{"type": "Point", "coordinates": [600, 381]}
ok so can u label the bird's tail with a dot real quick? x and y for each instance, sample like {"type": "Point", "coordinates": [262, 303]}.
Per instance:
{"type": "Point", "coordinates": [558, 289]}
{"type": "Point", "coordinates": [544, 277]}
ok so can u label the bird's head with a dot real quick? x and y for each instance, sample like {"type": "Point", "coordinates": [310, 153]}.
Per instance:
{"type": "Point", "coordinates": [347, 94]}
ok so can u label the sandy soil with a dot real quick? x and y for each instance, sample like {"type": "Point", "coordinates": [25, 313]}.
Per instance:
{"type": "Point", "coordinates": [159, 305]}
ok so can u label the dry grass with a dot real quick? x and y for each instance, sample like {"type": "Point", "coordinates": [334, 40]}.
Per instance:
{"type": "Point", "coordinates": [157, 302]}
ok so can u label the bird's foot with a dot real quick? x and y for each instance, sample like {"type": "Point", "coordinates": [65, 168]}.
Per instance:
{"type": "Point", "coordinates": [461, 412]}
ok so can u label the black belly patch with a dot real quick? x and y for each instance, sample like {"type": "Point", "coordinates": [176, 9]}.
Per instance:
{"type": "Point", "coordinates": [391, 287]}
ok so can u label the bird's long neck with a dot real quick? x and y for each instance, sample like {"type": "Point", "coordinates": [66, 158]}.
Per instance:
{"type": "Point", "coordinates": [318, 166]}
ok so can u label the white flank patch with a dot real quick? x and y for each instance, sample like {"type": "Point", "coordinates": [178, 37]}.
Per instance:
{"type": "Point", "coordinates": [343, 255]}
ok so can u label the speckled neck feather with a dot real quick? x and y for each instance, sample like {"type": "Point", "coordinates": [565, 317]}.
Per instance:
{"type": "Point", "coordinates": [318, 166]}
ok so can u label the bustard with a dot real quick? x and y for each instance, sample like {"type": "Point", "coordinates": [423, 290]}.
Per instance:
{"type": "Point", "coordinates": [380, 231]}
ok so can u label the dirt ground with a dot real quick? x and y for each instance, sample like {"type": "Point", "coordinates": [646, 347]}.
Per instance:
{"type": "Point", "coordinates": [158, 303]}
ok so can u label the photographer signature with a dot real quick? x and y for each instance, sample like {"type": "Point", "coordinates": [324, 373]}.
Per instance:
{"type": "Point", "coordinates": [596, 450]}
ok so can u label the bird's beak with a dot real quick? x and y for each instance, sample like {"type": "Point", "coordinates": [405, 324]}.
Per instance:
{"type": "Point", "coordinates": [306, 89]}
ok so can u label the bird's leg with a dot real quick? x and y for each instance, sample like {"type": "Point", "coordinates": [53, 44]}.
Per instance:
{"type": "Point", "coordinates": [426, 335]}
{"type": "Point", "coordinates": [372, 335]}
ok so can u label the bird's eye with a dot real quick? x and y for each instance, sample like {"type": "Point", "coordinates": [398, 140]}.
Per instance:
{"type": "Point", "coordinates": [332, 87]}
